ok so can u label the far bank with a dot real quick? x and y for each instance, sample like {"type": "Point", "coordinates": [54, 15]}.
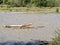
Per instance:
{"type": "Point", "coordinates": [31, 9]}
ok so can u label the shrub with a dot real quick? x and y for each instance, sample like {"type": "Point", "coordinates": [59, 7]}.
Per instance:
{"type": "Point", "coordinates": [57, 10]}
{"type": "Point", "coordinates": [56, 40]}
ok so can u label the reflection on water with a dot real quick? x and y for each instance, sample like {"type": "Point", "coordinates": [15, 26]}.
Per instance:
{"type": "Point", "coordinates": [51, 21]}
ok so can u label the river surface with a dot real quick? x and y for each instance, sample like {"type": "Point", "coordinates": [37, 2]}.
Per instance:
{"type": "Point", "coordinates": [50, 21]}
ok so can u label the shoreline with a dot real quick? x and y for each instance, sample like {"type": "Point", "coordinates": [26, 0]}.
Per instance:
{"type": "Point", "coordinates": [31, 10]}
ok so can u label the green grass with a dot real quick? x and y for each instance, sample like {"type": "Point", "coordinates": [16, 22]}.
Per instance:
{"type": "Point", "coordinates": [30, 10]}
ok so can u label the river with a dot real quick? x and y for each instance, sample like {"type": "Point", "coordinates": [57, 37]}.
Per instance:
{"type": "Point", "coordinates": [51, 21]}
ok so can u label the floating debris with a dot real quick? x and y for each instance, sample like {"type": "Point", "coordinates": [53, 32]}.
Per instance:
{"type": "Point", "coordinates": [25, 26]}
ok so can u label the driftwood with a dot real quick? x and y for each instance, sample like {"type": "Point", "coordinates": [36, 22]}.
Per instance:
{"type": "Point", "coordinates": [26, 26]}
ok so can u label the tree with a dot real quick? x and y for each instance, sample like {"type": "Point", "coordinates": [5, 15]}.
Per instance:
{"type": "Point", "coordinates": [35, 3]}
{"type": "Point", "coordinates": [1, 1]}
{"type": "Point", "coordinates": [5, 1]}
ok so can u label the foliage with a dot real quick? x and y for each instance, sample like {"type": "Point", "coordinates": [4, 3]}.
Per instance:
{"type": "Point", "coordinates": [56, 40]}
{"type": "Point", "coordinates": [35, 3]}
{"type": "Point", "coordinates": [57, 10]}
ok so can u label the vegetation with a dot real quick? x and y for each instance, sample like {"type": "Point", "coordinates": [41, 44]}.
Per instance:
{"type": "Point", "coordinates": [57, 10]}
{"type": "Point", "coordinates": [56, 40]}
{"type": "Point", "coordinates": [37, 6]}
{"type": "Point", "coordinates": [30, 3]}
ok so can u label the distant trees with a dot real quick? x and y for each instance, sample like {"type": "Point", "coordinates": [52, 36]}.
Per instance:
{"type": "Point", "coordinates": [1, 1]}
{"type": "Point", "coordinates": [36, 3]}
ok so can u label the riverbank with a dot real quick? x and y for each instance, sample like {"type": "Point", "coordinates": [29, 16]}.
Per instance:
{"type": "Point", "coordinates": [30, 10]}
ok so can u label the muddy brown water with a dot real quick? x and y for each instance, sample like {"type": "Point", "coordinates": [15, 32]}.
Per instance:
{"type": "Point", "coordinates": [50, 21]}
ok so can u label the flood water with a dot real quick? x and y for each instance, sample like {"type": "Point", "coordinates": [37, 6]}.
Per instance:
{"type": "Point", "coordinates": [50, 21]}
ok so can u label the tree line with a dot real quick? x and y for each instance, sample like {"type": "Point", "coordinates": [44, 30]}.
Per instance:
{"type": "Point", "coordinates": [30, 3]}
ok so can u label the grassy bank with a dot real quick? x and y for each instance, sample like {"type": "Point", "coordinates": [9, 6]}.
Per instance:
{"type": "Point", "coordinates": [30, 10]}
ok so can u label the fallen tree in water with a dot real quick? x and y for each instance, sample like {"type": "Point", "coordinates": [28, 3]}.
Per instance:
{"type": "Point", "coordinates": [25, 26]}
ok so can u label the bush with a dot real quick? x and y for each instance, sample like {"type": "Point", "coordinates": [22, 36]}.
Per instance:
{"type": "Point", "coordinates": [57, 10]}
{"type": "Point", "coordinates": [56, 40]}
